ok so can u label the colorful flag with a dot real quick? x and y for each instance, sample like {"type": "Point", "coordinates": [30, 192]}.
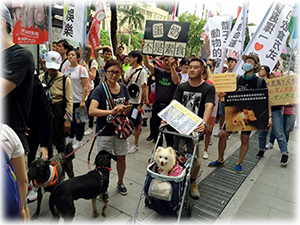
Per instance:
{"type": "Point", "coordinates": [172, 18]}
{"type": "Point", "coordinates": [294, 27]}
{"type": "Point", "coordinates": [74, 25]}
{"type": "Point", "coordinates": [267, 42]}
{"type": "Point", "coordinates": [93, 37]}
{"type": "Point", "coordinates": [30, 23]}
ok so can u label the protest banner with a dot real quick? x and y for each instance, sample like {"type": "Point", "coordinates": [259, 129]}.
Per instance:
{"type": "Point", "coordinates": [93, 37]}
{"type": "Point", "coordinates": [219, 28]}
{"type": "Point", "coordinates": [247, 110]}
{"type": "Point", "coordinates": [270, 36]}
{"type": "Point", "coordinates": [235, 41]}
{"type": "Point", "coordinates": [224, 82]}
{"type": "Point", "coordinates": [180, 118]}
{"type": "Point", "coordinates": [30, 23]}
{"type": "Point", "coordinates": [283, 90]}
{"type": "Point", "coordinates": [166, 38]}
{"type": "Point", "coordinates": [74, 25]}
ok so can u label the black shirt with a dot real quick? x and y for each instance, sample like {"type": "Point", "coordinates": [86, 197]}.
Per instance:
{"type": "Point", "coordinates": [164, 86]}
{"type": "Point", "coordinates": [194, 98]}
{"type": "Point", "coordinates": [19, 69]}
{"type": "Point", "coordinates": [120, 98]}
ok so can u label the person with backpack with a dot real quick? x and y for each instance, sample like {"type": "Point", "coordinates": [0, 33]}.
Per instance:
{"type": "Point", "coordinates": [59, 92]}
{"type": "Point", "coordinates": [80, 82]}
{"type": "Point", "coordinates": [91, 66]}
{"type": "Point", "coordinates": [247, 81]}
{"type": "Point", "coordinates": [14, 183]}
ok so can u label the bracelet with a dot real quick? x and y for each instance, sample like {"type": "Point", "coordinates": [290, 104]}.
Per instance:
{"type": "Point", "coordinates": [141, 104]}
{"type": "Point", "coordinates": [270, 116]}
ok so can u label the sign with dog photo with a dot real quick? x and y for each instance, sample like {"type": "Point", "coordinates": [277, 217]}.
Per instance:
{"type": "Point", "coordinates": [180, 118]}
{"type": "Point", "coordinates": [247, 110]}
{"type": "Point", "coordinates": [166, 38]}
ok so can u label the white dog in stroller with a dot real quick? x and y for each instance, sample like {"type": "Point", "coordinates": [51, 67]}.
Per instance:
{"type": "Point", "coordinates": [166, 162]}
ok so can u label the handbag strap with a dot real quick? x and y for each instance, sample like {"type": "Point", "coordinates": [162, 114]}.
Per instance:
{"type": "Point", "coordinates": [131, 76]}
{"type": "Point", "coordinates": [108, 95]}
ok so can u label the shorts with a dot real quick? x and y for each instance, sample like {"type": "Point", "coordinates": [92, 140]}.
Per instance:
{"type": "Point", "coordinates": [230, 132]}
{"type": "Point", "coordinates": [221, 109]}
{"type": "Point", "coordinates": [138, 120]}
{"type": "Point", "coordinates": [113, 144]}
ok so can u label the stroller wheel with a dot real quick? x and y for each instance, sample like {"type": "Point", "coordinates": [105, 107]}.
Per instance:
{"type": "Point", "coordinates": [129, 222]}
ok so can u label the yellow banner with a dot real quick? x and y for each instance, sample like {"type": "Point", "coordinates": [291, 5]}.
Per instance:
{"type": "Point", "coordinates": [224, 82]}
{"type": "Point", "coordinates": [283, 90]}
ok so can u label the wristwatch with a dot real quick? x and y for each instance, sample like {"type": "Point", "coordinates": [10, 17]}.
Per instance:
{"type": "Point", "coordinates": [141, 104]}
{"type": "Point", "coordinates": [205, 124]}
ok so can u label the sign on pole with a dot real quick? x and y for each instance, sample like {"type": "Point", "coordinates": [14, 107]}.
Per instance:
{"type": "Point", "coordinates": [30, 23]}
{"type": "Point", "coordinates": [269, 38]}
{"type": "Point", "coordinates": [166, 38]}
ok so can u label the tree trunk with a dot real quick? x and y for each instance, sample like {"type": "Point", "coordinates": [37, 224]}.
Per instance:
{"type": "Point", "coordinates": [114, 26]}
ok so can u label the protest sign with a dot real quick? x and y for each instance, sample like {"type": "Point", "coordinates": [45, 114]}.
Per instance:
{"type": "Point", "coordinates": [180, 118]}
{"type": "Point", "coordinates": [166, 38]}
{"type": "Point", "coordinates": [269, 38]}
{"type": "Point", "coordinates": [224, 82]}
{"type": "Point", "coordinates": [30, 23]}
{"type": "Point", "coordinates": [74, 26]}
{"type": "Point", "coordinates": [219, 28]}
{"type": "Point", "coordinates": [283, 89]}
{"type": "Point", "coordinates": [247, 110]}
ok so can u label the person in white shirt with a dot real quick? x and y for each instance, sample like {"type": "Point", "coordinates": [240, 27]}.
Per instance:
{"type": "Point", "coordinates": [136, 80]}
{"type": "Point", "coordinates": [107, 55]}
{"type": "Point", "coordinates": [80, 81]}
{"type": "Point", "coordinates": [184, 65]}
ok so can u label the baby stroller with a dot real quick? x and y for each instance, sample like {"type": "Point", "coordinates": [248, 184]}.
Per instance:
{"type": "Point", "coordinates": [168, 195]}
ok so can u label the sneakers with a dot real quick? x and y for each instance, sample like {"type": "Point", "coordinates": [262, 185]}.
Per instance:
{"type": "Point", "coordinates": [284, 160]}
{"type": "Point", "coordinates": [216, 164]}
{"type": "Point", "coordinates": [88, 131]}
{"type": "Point", "coordinates": [260, 154]}
{"type": "Point", "coordinates": [217, 133]}
{"type": "Point", "coordinates": [32, 193]}
{"type": "Point", "coordinates": [205, 155]}
{"type": "Point", "coordinates": [122, 189]}
{"type": "Point", "coordinates": [69, 140]}
{"type": "Point", "coordinates": [229, 137]}
{"type": "Point", "coordinates": [133, 149]}
{"type": "Point", "coordinates": [269, 145]}
{"type": "Point", "coordinates": [149, 138]}
{"type": "Point", "coordinates": [76, 144]}
{"type": "Point", "coordinates": [195, 194]}
{"type": "Point", "coordinates": [238, 168]}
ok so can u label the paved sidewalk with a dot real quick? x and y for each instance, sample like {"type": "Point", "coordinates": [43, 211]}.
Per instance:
{"type": "Point", "coordinates": [269, 192]}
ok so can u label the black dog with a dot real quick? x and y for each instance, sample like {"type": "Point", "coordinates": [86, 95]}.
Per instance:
{"type": "Point", "coordinates": [88, 186]}
{"type": "Point", "coordinates": [48, 174]}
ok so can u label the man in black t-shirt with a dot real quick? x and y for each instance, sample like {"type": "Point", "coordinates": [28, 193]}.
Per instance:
{"type": "Point", "coordinates": [247, 81]}
{"type": "Point", "coordinates": [199, 97]}
{"type": "Point", "coordinates": [16, 82]}
{"type": "Point", "coordinates": [166, 81]}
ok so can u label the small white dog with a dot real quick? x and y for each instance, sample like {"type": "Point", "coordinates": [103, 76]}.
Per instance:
{"type": "Point", "coordinates": [165, 159]}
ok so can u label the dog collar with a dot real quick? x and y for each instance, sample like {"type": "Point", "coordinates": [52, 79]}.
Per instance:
{"type": "Point", "coordinates": [53, 178]}
{"type": "Point", "coordinates": [103, 167]}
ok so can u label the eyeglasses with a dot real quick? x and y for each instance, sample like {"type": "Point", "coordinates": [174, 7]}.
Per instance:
{"type": "Point", "coordinates": [112, 72]}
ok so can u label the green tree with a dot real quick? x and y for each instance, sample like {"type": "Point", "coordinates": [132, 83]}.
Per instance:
{"type": "Point", "coordinates": [133, 17]}
{"type": "Point", "coordinates": [104, 38]}
{"type": "Point", "coordinates": [196, 24]}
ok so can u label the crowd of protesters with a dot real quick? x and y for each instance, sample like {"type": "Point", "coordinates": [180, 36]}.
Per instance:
{"type": "Point", "coordinates": [71, 81]}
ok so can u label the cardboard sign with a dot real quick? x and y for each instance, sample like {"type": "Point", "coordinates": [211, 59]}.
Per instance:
{"type": "Point", "coordinates": [166, 38]}
{"type": "Point", "coordinates": [224, 82]}
{"type": "Point", "coordinates": [283, 89]}
{"type": "Point", "coordinates": [247, 110]}
{"type": "Point", "coordinates": [180, 118]}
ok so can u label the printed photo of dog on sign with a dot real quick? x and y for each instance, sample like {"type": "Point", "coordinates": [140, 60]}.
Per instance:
{"type": "Point", "coordinates": [246, 111]}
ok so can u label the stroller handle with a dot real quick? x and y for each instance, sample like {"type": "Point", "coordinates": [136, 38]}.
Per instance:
{"type": "Point", "coordinates": [195, 136]}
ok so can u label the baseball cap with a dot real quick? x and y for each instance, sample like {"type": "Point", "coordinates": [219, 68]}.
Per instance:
{"type": "Point", "coordinates": [53, 60]}
{"type": "Point", "coordinates": [6, 14]}
{"type": "Point", "coordinates": [225, 65]}
{"type": "Point", "coordinates": [231, 58]}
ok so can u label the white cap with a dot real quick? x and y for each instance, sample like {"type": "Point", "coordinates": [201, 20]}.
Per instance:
{"type": "Point", "coordinates": [53, 60]}
{"type": "Point", "coordinates": [225, 65]}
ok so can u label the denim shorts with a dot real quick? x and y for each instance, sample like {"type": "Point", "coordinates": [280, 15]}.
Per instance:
{"type": "Point", "coordinates": [221, 109]}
